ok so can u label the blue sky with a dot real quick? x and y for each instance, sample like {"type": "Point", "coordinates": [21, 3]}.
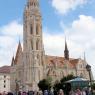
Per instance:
{"type": "Point", "coordinates": [74, 19]}
{"type": "Point", "coordinates": [13, 9]}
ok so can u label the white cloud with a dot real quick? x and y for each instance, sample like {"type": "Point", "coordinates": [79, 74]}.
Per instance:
{"type": "Point", "coordinates": [64, 6]}
{"type": "Point", "coordinates": [12, 29]}
{"type": "Point", "coordinates": [9, 37]}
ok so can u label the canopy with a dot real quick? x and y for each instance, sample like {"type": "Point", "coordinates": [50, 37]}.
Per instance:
{"type": "Point", "coordinates": [78, 79]}
{"type": "Point", "coordinates": [78, 83]}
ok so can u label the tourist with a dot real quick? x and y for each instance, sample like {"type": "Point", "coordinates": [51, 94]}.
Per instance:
{"type": "Point", "coordinates": [83, 92]}
{"type": "Point", "coordinates": [78, 92]}
{"type": "Point", "coordinates": [45, 92]}
{"type": "Point", "coordinates": [71, 92]}
{"type": "Point", "coordinates": [60, 92]}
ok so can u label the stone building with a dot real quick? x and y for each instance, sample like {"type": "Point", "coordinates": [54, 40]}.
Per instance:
{"type": "Point", "coordinates": [31, 64]}
{"type": "Point", "coordinates": [5, 79]}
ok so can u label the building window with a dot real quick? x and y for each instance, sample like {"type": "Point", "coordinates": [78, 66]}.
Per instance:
{"type": "Point", "coordinates": [37, 45]}
{"type": "Point", "coordinates": [4, 81]}
{"type": "Point", "coordinates": [37, 29]}
{"type": "Point", "coordinates": [32, 45]}
{"type": "Point", "coordinates": [31, 29]}
{"type": "Point", "coordinates": [4, 76]}
{"type": "Point", "coordinates": [4, 86]}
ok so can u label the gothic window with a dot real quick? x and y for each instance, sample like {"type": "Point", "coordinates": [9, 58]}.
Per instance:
{"type": "Point", "coordinates": [4, 76]}
{"type": "Point", "coordinates": [4, 86]}
{"type": "Point", "coordinates": [37, 45]}
{"type": "Point", "coordinates": [31, 45]}
{"type": "Point", "coordinates": [4, 81]}
{"type": "Point", "coordinates": [37, 29]}
{"type": "Point", "coordinates": [31, 29]}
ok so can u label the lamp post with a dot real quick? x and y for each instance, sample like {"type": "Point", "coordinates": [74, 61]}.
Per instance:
{"type": "Point", "coordinates": [17, 86]}
{"type": "Point", "coordinates": [88, 68]}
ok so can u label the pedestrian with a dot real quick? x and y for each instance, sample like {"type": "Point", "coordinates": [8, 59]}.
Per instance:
{"type": "Point", "coordinates": [83, 92]}
{"type": "Point", "coordinates": [45, 92]}
{"type": "Point", "coordinates": [71, 92]}
{"type": "Point", "coordinates": [78, 92]}
{"type": "Point", "coordinates": [60, 92]}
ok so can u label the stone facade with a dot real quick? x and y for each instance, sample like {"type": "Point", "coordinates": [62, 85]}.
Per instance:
{"type": "Point", "coordinates": [32, 64]}
{"type": "Point", "coordinates": [4, 79]}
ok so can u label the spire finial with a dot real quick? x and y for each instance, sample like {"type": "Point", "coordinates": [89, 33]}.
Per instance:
{"type": "Point", "coordinates": [84, 57]}
{"type": "Point", "coordinates": [66, 48]}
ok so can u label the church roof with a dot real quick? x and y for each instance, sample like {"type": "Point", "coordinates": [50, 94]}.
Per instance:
{"type": "Point", "coordinates": [5, 69]}
{"type": "Point", "coordinates": [74, 61]}
{"type": "Point", "coordinates": [60, 61]}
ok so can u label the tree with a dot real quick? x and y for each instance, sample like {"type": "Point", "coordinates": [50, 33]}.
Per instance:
{"type": "Point", "coordinates": [45, 84]}
{"type": "Point", "coordinates": [62, 85]}
{"type": "Point", "coordinates": [93, 86]}
{"type": "Point", "coordinates": [57, 85]}
{"type": "Point", "coordinates": [69, 77]}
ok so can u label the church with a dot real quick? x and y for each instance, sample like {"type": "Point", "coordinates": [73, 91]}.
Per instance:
{"type": "Point", "coordinates": [31, 64]}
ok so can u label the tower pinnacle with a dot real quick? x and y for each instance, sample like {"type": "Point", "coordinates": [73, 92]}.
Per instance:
{"type": "Point", "coordinates": [33, 4]}
{"type": "Point", "coordinates": [66, 51]}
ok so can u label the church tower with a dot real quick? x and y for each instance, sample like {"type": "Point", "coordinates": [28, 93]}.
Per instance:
{"type": "Point", "coordinates": [32, 45]}
{"type": "Point", "coordinates": [66, 51]}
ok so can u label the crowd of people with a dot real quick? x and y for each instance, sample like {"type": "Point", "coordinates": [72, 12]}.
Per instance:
{"type": "Point", "coordinates": [84, 91]}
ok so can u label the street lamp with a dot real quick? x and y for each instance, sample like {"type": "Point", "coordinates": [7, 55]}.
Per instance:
{"type": "Point", "coordinates": [17, 86]}
{"type": "Point", "coordinates": [88, 68]}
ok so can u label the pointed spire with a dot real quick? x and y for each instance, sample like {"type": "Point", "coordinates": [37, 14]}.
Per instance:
{"type": "Point", "coordinates": [19, 50]}
{"type": "Point", "coordinates": [66, 51]}
{"type": "Point", "coordinates": [66, 48]}
{"type": "Point", "coordinates": [19, 45]}
{"type": "Point", "coordinates": [13, 61]}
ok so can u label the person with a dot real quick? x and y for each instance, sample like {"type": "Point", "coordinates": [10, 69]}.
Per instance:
{"type": "Point", "coordinates": [19, 93]}
{"type": "Point", "coordinates": [83, 92]}
{"type": "Point", "coordinates": [51, 92]}
{"type": "Point", "coordinates": [71, 92]}
{"type": "Point", "coordinates": [30, 92]}
{"type": "Point", "coordinates": [60, 92]}
{"type": "Point", "coordinates": [78, 92]}
{"type": "Point", "coordinates": [45, 92]}
{"type": "Point", "coordinates": [10, 93]}
{"type": "Point", "coordinates": [40, 92]}
{"type": "Point", "coordinates": [24, 93]}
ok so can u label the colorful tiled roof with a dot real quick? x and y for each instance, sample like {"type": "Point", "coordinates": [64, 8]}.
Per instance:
{"type": "Point", "coordinates": [60, 61]}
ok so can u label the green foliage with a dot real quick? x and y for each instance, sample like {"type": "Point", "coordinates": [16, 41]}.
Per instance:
{"type": "Point", "coordinates": [57, 86]}
{"type": "Point", "coordinates": [69, 77]}
{"type": "Point", "coordinates": [45, 84]}
{"type": "Point", "coordinates": [93, 86]}
{"type": "Point", "coordinates": [61, 84]}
